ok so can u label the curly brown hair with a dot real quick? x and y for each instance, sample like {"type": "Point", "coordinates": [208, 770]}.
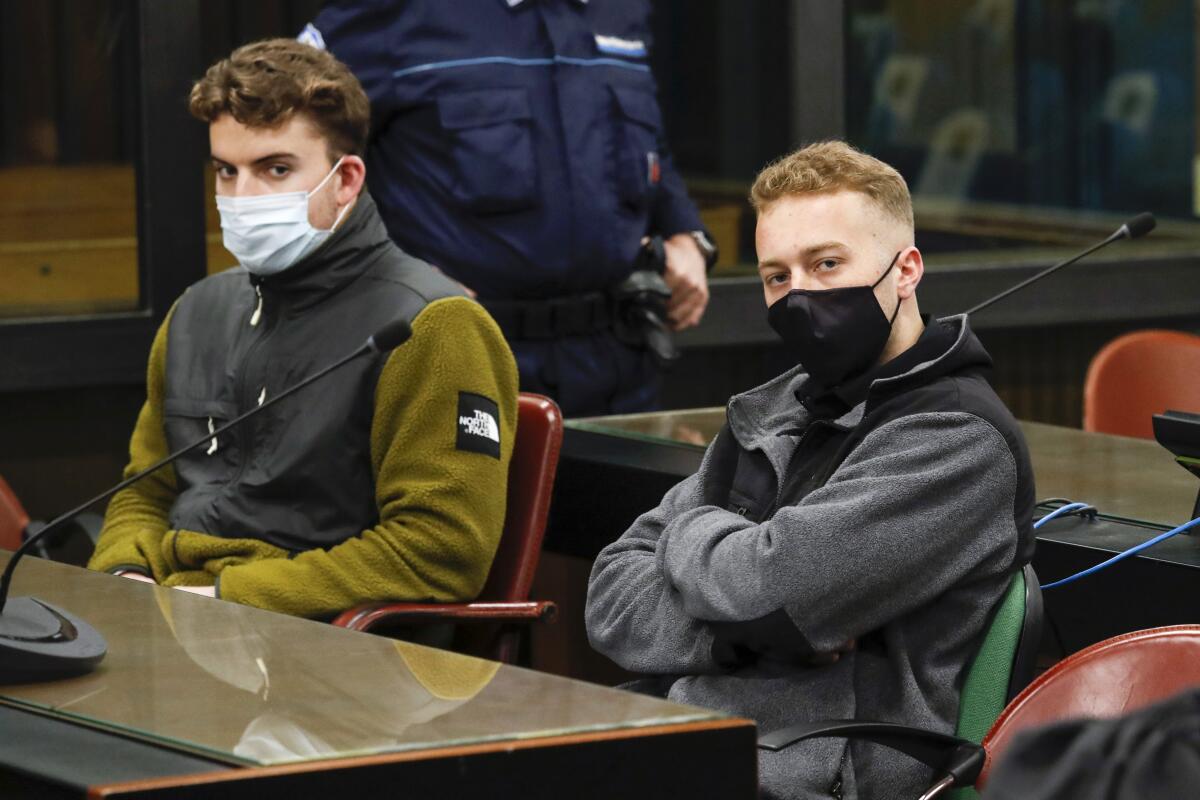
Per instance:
{"type": "Point", "coordinates": [263, 84]}
{"type": "Point", "coordinates": [830, 167]}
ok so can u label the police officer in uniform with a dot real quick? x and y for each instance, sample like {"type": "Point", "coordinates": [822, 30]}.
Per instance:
{"type": "Point", "coordinates": [518, 146]}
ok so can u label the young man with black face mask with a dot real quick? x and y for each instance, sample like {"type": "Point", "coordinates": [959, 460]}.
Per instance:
{"type": "Point", "coordinates": [852, 526]}
{"type": "Point", "coordinates": [385, 480]}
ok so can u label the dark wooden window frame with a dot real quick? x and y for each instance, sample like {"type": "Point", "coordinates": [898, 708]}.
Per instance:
{"type": "Point", "coordinates": [108, 349]}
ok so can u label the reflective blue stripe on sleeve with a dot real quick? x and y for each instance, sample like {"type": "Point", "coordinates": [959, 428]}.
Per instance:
{"type": "Point", "coordinates": [520, 62]}
{"type": "Point", "coordinates": [601, 62]}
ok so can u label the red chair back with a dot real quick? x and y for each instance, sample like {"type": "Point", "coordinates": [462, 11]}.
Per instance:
{"type": "Point", "coordinates": [1106, 680]}
{"type": "Point", "coordinates": [1138, 375]}
{"type": "Point", "coordinates": [530, 484]}
{"type": "Point", "coordinates": [13, 518]}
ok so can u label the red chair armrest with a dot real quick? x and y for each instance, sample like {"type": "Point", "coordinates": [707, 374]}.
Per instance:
{"type": "Point", "coordinates": [366, 617]}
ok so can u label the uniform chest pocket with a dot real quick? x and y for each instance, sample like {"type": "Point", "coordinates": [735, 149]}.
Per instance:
{"type": "Point", "coordinates": [638, 129]}
{"type": "Point", "coordinates": [490, 137]}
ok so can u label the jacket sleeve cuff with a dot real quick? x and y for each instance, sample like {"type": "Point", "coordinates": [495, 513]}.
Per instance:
{"type": "Point", "coordinates": [675, 213]}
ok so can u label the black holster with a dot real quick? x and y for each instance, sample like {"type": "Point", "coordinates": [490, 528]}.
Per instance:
{"type": "Point", "coordinates": [640, 306]}
{"type": "Point", "coordinates": [635, 310]}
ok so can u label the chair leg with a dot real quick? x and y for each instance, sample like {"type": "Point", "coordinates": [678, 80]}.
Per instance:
{"type": "Point", "coordinates": [508, 645]}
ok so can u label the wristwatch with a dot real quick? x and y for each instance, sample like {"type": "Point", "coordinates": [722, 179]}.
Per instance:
{"type": "Point", "coordinates": [706, 247]}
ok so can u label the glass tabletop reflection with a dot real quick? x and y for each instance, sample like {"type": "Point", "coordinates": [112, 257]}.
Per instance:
{"type": "Point", "coordinates": [694, 427]}
{"type": "Point", "coordinates": [249, 686]}
{"type": "Point", "coordinates": [1124, 477]}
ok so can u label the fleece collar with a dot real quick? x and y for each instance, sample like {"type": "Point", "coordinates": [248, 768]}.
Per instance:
{"type": "Point", "coordinates": [348, 253]}
{"type": "Point", "coordinates": [759, 417]}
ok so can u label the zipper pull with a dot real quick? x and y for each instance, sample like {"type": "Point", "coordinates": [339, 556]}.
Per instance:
{"type": "Point", "coordinates": [262, 396]}
{"type": "Point", "coordinates": [212, 448]}
{"type": "Point", "coordinates": [257, 315]}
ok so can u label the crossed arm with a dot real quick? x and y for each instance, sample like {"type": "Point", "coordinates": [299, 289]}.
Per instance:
{"type": "Point", "coordinates": [923, 502]}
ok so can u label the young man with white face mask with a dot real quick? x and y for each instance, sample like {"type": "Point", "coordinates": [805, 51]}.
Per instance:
{"type": "Point", "coordinates": [376, 483]}
{"type": "Point", "coordinates": [851, 527]}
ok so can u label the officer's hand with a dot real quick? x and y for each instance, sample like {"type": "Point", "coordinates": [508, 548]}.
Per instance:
{"type": "Point", "coordinates": [687, 278]}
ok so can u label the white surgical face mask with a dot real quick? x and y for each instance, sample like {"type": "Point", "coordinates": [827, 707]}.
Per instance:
{"type": "Point", "coordinates": [268, 233]}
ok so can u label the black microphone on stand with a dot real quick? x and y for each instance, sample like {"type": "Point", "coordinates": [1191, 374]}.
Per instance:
{"type": "Point", "coordinates": [40, 642]}
{"type": "Point", "coordinates": [1138, 226]}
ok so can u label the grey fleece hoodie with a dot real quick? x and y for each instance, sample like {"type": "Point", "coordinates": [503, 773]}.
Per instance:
{"type": "Point", "coordinates": [905, 547]}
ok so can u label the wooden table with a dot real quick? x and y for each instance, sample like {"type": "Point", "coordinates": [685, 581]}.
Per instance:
{"type": "Point", "coordinates": [203, 698]}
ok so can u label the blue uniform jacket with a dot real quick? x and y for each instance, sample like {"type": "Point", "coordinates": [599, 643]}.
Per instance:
{"type": "Point", "coordinates": [517, 145]}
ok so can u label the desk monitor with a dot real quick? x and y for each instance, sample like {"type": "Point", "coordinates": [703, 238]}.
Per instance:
{"type": "Point", "coordinates": [1179, 432]}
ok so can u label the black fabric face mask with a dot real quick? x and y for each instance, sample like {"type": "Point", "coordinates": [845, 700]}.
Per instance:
{"type": "Point", "coordinates": [834, 334]}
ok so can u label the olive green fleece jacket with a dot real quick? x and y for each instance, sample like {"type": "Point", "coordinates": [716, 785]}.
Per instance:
{"type": "Point", "coordinates": [441, 509]}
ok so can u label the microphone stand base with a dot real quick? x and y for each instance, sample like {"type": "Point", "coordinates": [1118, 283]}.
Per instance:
{"type": "Point", "coordinates": [39, 642]}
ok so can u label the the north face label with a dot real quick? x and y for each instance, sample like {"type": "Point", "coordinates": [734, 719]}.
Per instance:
{"type": "Point", "coordinates": [478, 424]}
{"type": "Point", "coordinates": [482, 424]}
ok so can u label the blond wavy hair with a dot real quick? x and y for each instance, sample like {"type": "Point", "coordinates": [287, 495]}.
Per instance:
{"type": "Point", "coordinates": [266, 83]}
{"type": "Point", "coordinates": [830, 167]}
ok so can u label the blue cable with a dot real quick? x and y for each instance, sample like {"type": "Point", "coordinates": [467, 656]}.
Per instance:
{"type": "Point", "coordinates": [1119, 556]}
{"type": "Point", "coordinates": [1058, 512]}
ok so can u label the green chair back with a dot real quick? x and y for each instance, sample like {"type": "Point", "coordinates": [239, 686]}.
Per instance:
{"type": "Point", "coordinates": [989, 683]}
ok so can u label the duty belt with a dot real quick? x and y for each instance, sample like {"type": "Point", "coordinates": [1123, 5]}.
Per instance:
{"type": "Point", "coordinates": [552, 318]}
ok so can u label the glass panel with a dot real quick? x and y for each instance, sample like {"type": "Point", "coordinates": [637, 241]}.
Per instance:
{"type": "Point", "coordinates": [250, 686]}
{"type": "Point", "coordinates": [68, 232]}
{"type": "Point", "coordinates": [1026, 129]}
{"type": "Point", "coordinates": [1131, 478]}
{"type": "Point", "coordinates": [1030, 128]}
